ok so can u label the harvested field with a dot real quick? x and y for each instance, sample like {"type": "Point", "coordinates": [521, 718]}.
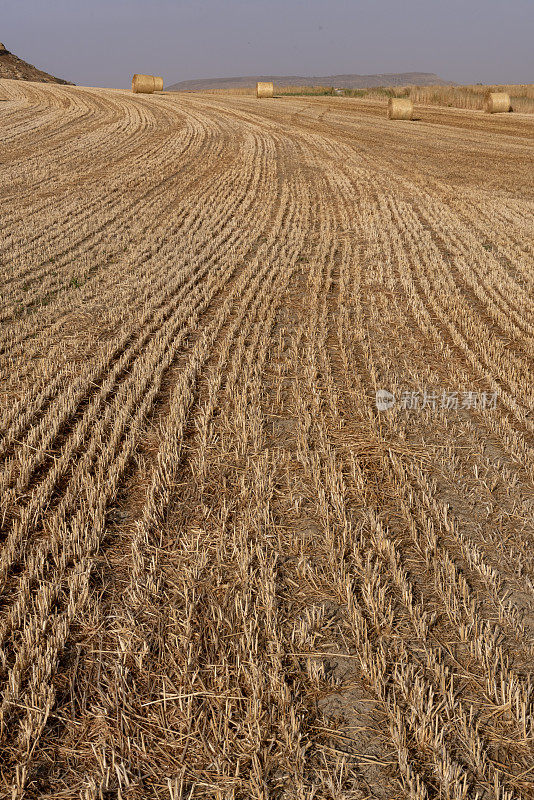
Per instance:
{"type": "Point", "coordinates": [224, 573]}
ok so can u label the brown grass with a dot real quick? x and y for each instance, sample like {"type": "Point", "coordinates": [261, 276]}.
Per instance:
{"type": "Point", "coordinates": [473, 97]}
{"type": "Point", "coordinates": [467, 97]}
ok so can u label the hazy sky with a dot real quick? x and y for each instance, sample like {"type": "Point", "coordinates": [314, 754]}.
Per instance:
{"type": "Point", "coordinates": [102, 42]}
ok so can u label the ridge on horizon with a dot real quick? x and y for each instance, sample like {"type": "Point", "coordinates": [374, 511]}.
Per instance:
{"type": "Point", "coordinates": [342, 81]}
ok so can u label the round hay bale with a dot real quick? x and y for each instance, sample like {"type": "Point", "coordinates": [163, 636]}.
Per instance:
{"type": "Point", "coordinates": [400, 108]}
{"type": "Point", "coordinates": [497, 103]}
{"type": "Point", "coordinates": [143, 84]}
{"type": "Point", "coordinates": [158, 83]}
{"type": "Point", "coordinates": [264, 89]}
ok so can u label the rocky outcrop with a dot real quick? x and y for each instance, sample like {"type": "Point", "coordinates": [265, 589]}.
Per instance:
{"type": "Point", "coordinates": [14, 68]}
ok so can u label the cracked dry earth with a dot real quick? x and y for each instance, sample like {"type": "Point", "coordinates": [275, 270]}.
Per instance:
{"type": "Point", "coordinates": [224, 574]}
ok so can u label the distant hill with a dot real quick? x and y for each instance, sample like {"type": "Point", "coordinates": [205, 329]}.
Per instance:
{"type": "Point", "coordinates": [339, 81]}
{"type": "Point", "coordinates": [15, 68]}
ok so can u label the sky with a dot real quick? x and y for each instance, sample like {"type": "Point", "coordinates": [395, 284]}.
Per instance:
{"type": "Point", "coordinates": [103, 42]}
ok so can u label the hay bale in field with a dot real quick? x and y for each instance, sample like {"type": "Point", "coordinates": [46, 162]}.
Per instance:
{"type": "Point", "coordinates": [497, 103]}
{"type": "Point", "coordinates": [400, 108]}
{"type": "Point", "coordinates": [143, 84]}
{"type": "Point", "coordinates": [158, 83]}
{"type": "Point", "coordinates": [264, 89]}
